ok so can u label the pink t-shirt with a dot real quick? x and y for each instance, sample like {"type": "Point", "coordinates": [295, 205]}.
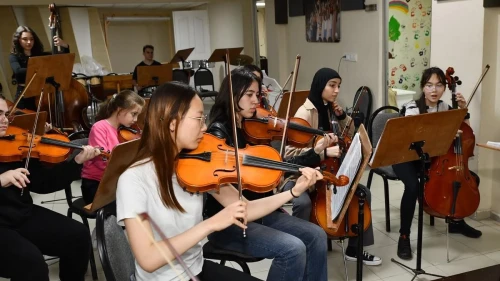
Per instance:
{"type": "Point", "coordinates": [102, 134]}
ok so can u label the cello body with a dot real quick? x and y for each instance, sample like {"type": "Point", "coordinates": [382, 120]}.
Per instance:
{"type": "Point", "coordinates": [450, 175]}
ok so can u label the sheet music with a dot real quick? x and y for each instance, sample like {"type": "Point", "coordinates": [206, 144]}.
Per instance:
{"type": "Point", "coordinates": [349, 168]}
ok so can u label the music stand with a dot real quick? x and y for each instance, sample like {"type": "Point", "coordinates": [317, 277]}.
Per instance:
{"type": "Point", "coordinates": [334, 223]}
{"type": "Point", "coordinates": [404, 139]}
{"type": "Point", "coordinates": [55, 70]}
{"type": "Point", "coordinates": [26, 122]}
{"type": "Point", "coordinates": [121, 156]}
{"type": "Point", "coordinates": [154, 75]}
{"type": "Point", "coordinates": [181, 56]}
{"type": "Point", "coordinates": [219, 55]}
{"type": "Point", "coordinates": [116, 83]}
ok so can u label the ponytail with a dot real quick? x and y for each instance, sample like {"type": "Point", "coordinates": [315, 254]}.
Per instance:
{"type": "Point", "coordinates": [123, 100]}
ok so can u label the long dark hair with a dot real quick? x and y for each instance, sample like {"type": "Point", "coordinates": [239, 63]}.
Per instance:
{"type": "Point", "coordinates": [242, 79]}
{"type": "Point", "coordinates": [170, 102]}
{"type": "Point", "coordinates": [18, 50]}
{"type": "Point", "coordinates": [426, 76]}
{"type": "Point", "coordinates": [252, 68]}
{"type": "Point", "coordinates": [125, 99]}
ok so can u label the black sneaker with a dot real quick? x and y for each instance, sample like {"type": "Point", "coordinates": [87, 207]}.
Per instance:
{"type": "Point", "coordinates": [463, 228]}
{"type": "Point", "coordinates": [368, 259]}
{"type": "Point", "coordinates": [404, 247]}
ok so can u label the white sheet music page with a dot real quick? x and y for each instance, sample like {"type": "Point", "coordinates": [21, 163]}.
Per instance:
{"type": "Point", "coordinates": [349, 168]}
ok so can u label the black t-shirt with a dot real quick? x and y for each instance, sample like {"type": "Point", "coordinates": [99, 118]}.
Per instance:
{"type": "Point", "coordinates": [44, 179]}
{"type": "Point", "coordinates": [134, 76]}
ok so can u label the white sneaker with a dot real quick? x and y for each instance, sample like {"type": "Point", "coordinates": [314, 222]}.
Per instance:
{"type": "Point", "coordinates": [368, 259]}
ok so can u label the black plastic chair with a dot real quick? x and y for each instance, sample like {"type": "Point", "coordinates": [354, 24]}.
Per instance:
{"type": "Point", "coordinates": [180, 75]}
{"type": "Point", "coordinates": [362, 106]}
{"type": "Point", "coordinates": [117, 259]}
{"type": "Point", "coordinates": [204, 77]}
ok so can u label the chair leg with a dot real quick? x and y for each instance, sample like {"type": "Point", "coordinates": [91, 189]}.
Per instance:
{"type": "Point", "coordinates": [370, 177]}
{"type": "Point", "coordinates": [92, 259]}
{"type": "Point", "coordinates": [329, 243]}
{"type": "Point", "coordinates": [244, 267]}
{"type": "Point", "coordinates": [387, 208]}
{"type": "Point", "coordinates": [432, 221]}
{"type": "Point", "coordinates": [345, 262]}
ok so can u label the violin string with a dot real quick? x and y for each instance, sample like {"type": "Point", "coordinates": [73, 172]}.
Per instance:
{"type": "Point", "coordinates": [164, 255]}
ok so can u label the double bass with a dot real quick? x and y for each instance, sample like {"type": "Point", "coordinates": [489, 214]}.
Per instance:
{"type": "Point", "coordinates": [66, 108]}
{"type": "Point", "coordinates": [452, 192]}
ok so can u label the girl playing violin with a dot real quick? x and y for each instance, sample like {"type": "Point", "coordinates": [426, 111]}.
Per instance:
{"type": "Point", "coordinates": [28, 231]}
{"type": "Point", "coordinates": [175, 122]}
{"type": "Point", "coordinates": [121, 109]}
{"type": "Point", "coordinates": [26, 44]}
{"type": "Point", "coordinates": [322, 111]}
{"type": "Point", "coordinates": [433, 84]}
{"type": "Point", "coordinates": [298, 247]}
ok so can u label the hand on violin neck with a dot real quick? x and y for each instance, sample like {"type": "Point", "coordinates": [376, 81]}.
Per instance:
{"type": "Point", "coordinates": [460, 100]}
{"type": "Point", "coordinates": [17, 177]}
{"type": "Point", "coordinates": [333, 151]}
{"type": "Point", "coordinates": [59, 42]}
{"type": "Point", "coordinates": [236, 214]}
{"type": "Point", "coordinates": [326, 141]}
{"type": "Point", "coordinates": [88, 152]}
{"type": "Point", "coordinates": [337, 109]}
{"type": "Point", "coordinates": [308, 178]}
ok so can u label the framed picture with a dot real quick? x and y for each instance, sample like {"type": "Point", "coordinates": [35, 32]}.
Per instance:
{"type": "Point", "coordinates": [322, 20]}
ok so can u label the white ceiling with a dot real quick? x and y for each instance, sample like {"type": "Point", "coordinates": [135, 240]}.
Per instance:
{"type": "Point", "coordinates": [173, 5]}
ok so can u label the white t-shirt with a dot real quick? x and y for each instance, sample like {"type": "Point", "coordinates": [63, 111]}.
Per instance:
{"type": "Point", "coordinates": [411, 108]}
{"type": "Point", "coordinates": [137, 192]}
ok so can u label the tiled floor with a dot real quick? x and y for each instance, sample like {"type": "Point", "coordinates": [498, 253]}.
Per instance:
{"type": "Point", "coordinates": [466, 254]}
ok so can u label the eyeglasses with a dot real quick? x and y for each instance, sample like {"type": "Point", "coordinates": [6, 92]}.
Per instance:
{"type": "Point", "coordinates": [202, 119]}
{"type": "Point", "coordinates": [433, 87]}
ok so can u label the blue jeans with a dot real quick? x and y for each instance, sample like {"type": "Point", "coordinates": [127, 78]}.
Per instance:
{"type": "Point", "coordinates": [298, 247]}
{"type": "Point", "coordinates": [302, 207]}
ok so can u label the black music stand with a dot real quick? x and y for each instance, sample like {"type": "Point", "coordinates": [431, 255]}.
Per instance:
{"type": "Point", "coordinates": [181, 56]}
{"type": "Point", "coordinates": [403, 140]}
{"type": "Point", "coordinates": [55, 70]}
{"type": "Point", "coordinates": [219, 55]}
{"type": "Point", "coordinates": [154, 75]}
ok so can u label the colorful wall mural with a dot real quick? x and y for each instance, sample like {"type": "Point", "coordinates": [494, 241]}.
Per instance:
{"type": "Point", "coordinates": [409, 42]}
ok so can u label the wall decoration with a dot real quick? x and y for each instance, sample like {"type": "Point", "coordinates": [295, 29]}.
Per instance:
{"type": "Point", "coordinates": [322, 20]}
{"type": "Point", "coordinates": [409, 42]}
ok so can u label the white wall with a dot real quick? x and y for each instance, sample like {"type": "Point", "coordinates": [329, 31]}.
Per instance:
{"type": "Point", "coordinates": [361, 33]}
{"type": "Point", "coordinates": [459, 43]}
{"type": "Point", "coordinates": [81, 29]}
{"type": "Point", "coordinates": [226, 31]}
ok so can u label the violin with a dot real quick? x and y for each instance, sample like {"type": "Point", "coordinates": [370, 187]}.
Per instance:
{"type": "Point", "coordinates": [129, 133]}
{"type": "Point", "coordinates": [267, 127]}
{"type": "Point", "coordinates": [214, 162]}
{"type": "Point", "coordinates": [49, 148]}
{"type": "Point", "coordinates": [452, 192]}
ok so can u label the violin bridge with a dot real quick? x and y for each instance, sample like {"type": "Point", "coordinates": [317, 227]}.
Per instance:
{"type": "Point", "coordinates": [275, 121]}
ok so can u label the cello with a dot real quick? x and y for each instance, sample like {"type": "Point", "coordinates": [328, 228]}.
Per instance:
{"type": "Point", "coordinates": [452, 192]}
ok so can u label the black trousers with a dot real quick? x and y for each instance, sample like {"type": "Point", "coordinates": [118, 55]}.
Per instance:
{"type": "Point", "coordinates": [89, 189]}
{"type": "Point", "coordinates": [408, 174]}
{"type": "Point", "coordinates": [44, 233]}
{"type": "Point", "coordinates": [215, 272]}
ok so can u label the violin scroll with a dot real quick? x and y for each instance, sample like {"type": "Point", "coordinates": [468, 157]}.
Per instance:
{"type": "Point", "coordinates": [337, 181]}
{"type": "Point", "coordinates": [452, 82]}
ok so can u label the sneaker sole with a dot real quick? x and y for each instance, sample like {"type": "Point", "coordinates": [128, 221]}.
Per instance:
{"type": "Point", "coordinates": [370, 263]}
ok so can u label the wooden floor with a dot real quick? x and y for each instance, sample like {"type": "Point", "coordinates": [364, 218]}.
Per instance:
{"type": "Point", "coordinates": [491, 273]}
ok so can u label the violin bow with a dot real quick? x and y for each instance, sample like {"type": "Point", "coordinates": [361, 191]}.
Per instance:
{"type": "Point", "coordinates": [32, 138]}
{"type": "Point", "coordinates": [14, 107]}
{"type": "Point", "coordinates": [348, 125]}
{"type": "Point", "coordinates": [145, 216]}
{"type": "Point", "coordinates": [235, 134]}
{"type": "Point", "coordinates": [280, 95]}
{"type": "Point", "coordinates": [478, 83]}
{"type": "Point", "coordinates": [292, 90]}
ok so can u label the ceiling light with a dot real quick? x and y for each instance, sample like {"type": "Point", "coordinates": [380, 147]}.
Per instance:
{"type": "Point", "coordinates": [260, 4]}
